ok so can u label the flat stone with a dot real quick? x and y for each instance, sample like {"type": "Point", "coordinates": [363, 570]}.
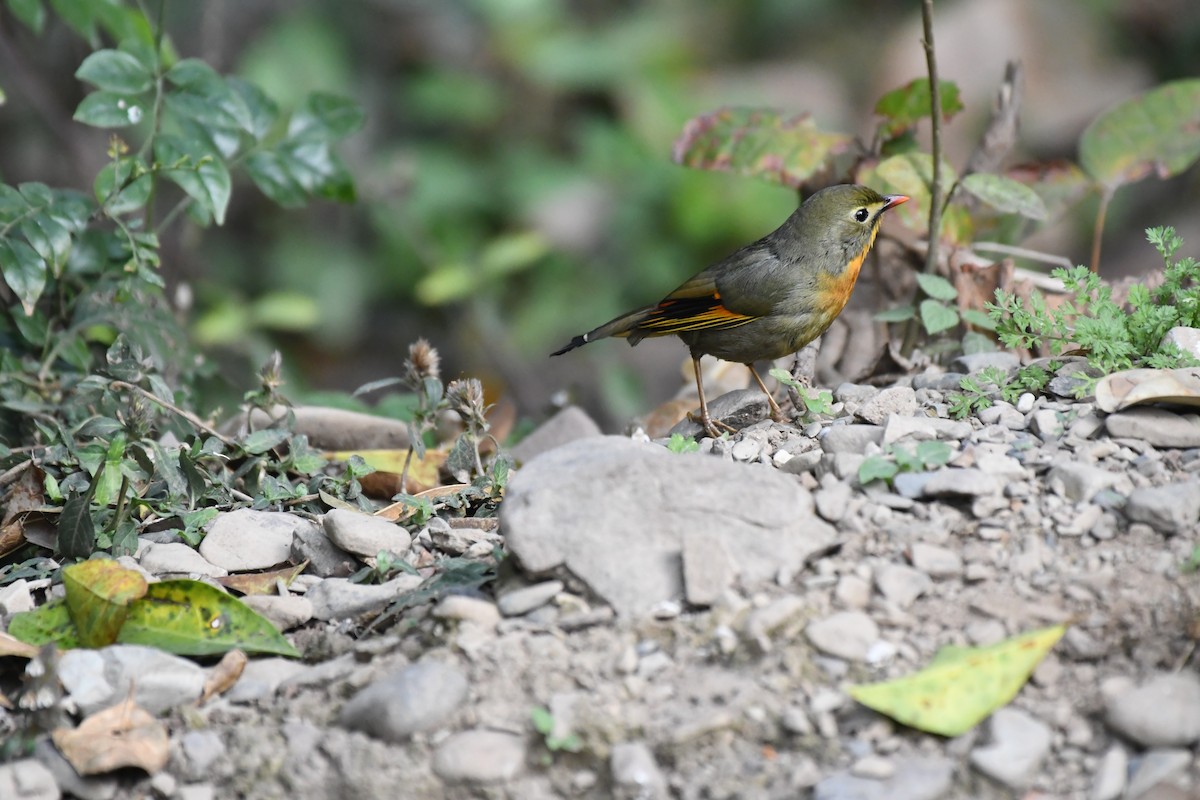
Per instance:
{"type": "Point", "coordinates": [1164, 712]}
{"type": "Point", "coordinates": [338, 598]}
{"type": "Point", "coordinates": [833, 500]}
{"type": "Point", "coordinates": [202, 749]}
{"type": "Point", "coordinates": [912, 484]}
{"type": "Point", "coordinates": [900, 400]}
{"type": "Point", "coordinates": [1156, 426]}
{"type": "Point", "coordinates": [901, 584]}
{"type": "Point", "coordinates": [635, 773]}
{"type": "Point", "coordinates": [939, 381]}
{"type": "Point", "coordinates": [365, 535]}
{"type": "Point", "coordinates": [1001, 359]}
{"type": "Point", "coordinates": [969, 482]}
{"type": "Point", "coordinates": [935, 561]}
{"type": "Point", "coordinates": [420, 697]}
{"type": "Point", "coordinates": [338, 429]}
{"type": "Point", "coordinates": [852, 592]}
{"type": "Point", "coordinates": [1020, 742]}
{"type": "Point", "coordinates": [1170, 509]}
{"type": "Point", "coordinates": [16, 598]}
{"type": "Point", "coordinates": [708, 569]}
{"type": "Point", "coordinates": [468, 609]}
{"type": "Point", "coordinates": [324, 558]}
{"type": "Point", "coordinates": [283, 611]}
{"type": "Point", "coordinates": [1002, 413]}
{"type": "Point", "coordinates": [1079, 482]}
{"type": "Point", "coordinates": [261, 677]}
{"type": "Point", "coordinates": [245, 539]}
{"type": "Point", "coordinates": [1159, 766]}
{"type": "Point", "coordinates": [521, 601]}
{"type": "Point", "coordinates": [912, 779]}
{"type": "Point", "coordinates": [737, 409]}
{"type": "Point", "coordinates": [571, 507]}
{"type": "Point", "coordinates": [850, 438]}
{"type": "Point", "coordinates": [1047, 424]}
{"type": "Point", "coordinates": [845, 634]}
{"type": "Point", "coordinates": [924, 429]}
{"type": "Point", "coordinates": [97, 679]}
{"type": "Point", "coordinates": [1185, 338]}
{"type": "Point", "coordinates": [569, 424]}
{"type": "Point", "coordinates": [480, 756]}
{"type": "Point", "coordinates": [177, 558]}
{"type": "Point", "coordinates": [27, 779]}
{"type": "Point", "coordinates": [1109, 781]}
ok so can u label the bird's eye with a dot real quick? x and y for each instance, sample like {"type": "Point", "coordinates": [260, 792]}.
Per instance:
{"type": "Point", "coordinates": [861, 215]}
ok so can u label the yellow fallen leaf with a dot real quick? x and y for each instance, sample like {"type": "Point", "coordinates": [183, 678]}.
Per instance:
{"type": "Point", "coordinates": [962, 685]}
{"type": "Point", "coordinates": [422, 472]}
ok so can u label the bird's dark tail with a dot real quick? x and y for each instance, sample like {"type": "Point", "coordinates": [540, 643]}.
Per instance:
{"type": "Point", "coordinates": [578, 341]}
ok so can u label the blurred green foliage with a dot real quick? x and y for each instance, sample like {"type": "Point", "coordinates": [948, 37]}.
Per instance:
{"type": "Point", "coordinates": [514, 180]}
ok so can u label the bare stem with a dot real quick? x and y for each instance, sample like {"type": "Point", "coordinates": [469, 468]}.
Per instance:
{"type": "Point", "coordinates": [935, 190]}
{"type": "Point", "coordinates": [1098, 232]}
{"type": "Point", "coordinates": [195, 421]}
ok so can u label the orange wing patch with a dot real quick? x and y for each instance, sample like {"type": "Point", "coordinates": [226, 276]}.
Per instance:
{"type": "Point", "coordinates": [691, 314]}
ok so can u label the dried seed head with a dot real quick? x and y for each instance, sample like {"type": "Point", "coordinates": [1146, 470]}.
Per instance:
{"type": "Point", "coordinates": [423, 362]}
{"type": "Point", "coordinates": [466, 397]}
{"type": "Point", "coordinates": [270, 373]}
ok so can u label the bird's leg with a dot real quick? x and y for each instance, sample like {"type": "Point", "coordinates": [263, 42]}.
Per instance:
{"type": "Point", "coordinates": [708, 423]}
{"type": "Point", "coordinates": [776, 411]}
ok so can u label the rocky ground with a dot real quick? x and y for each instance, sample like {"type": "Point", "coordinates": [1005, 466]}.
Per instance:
{"type": "Point", "coordinates": [690, 622]}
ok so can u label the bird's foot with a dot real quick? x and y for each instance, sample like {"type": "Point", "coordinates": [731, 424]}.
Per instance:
{"type": "Point", "coordinates": [711, 426]}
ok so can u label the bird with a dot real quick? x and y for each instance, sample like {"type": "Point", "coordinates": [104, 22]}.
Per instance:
{"type": "Point", "coordinates": [770, 298]}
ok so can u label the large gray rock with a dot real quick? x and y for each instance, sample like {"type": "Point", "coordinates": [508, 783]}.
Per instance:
{"type": "Point", "coordinates": [97, 679]}
{"type": "Point", "coordinates": [365, 535]}
{"type": "Point", "coordinates": [1174, 508]}
{"type": "Point", "coordinates": [247, 539]}
{"type": "Point", "coordinates": [1165, 712]}
{"type": "Point", "coordinates": [417, 698]}
{"type": "Point", "coordinates": [614, 512]}
{"type": "Point", "coordinates": [567, 425]}
{"type": "Point", "coordinates": [1020, 742]}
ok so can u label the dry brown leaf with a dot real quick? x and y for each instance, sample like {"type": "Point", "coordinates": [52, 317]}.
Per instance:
{"type": "Point", "coordinates": [223, 676]}
{"type": "Point", "coordinates": [24, 496]}
{"type": "Point", "coordinates": [262, 582]}
{"type": "Point", "coordinates": [12, 646]}
{"type": "Point", "coordinates": [400, 510]}
{"type": "Point", "coordinates": [121, 736]}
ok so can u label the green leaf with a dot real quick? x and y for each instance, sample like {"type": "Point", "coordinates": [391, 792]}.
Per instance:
{"type": "Point", "coordinates": [978, 318]}
{"type": "Point", "coordinates": [115, 71]}
{"type": "Point", "coordinates": [31, 12]}
{"type": "Point", "coordinates": [271, 173]}
{"type": "Point", "coordinates": [936, 286]}
{"type": "Point", "coordinates": [325, 118]}
{"type": "Point", "coordinates": [99, 592]}
{"type": "Point", "coordinates": [897, 314]}
{"type": "Point", "coordinates": [202, 174]}
{"type": "Point", "coordinates": [512, 252]}
{"type": "Point", "coordinates": [259, 442]}
{"type": "Point", "coordinates": [902, 108]}
{"type": "Point", "coordinates": [937, 317]}
{"type": "Point", "coordinates": [24, 272]}
{"type": "Point", "coordinates": [962, 685]}
{"type": "Point", "coordinates": [1005, 195]}
{"type": "Point", "coordinates": [76, 530]}
{"type": "Point", "coordinates": [934, 453]}
{"type": "Point", "coordinates": [759, 143]}
{"type": "Point", "coordinates": [49, 238]}
{"type": "Point", "coordinates": [876, 468]}
{"type": "Point", "coordinates": [80, 15]}
{"type": "Point", "coordinates": [47, 623]}
{"type": "Point", "coordinates": [105, 109]}
{"type": "Point", "coordinates": [191, 618]}
{"type": "Point", "coordinates": [1153, 132]}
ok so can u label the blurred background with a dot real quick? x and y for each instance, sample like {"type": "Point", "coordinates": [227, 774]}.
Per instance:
{"type": "Point", "coordinates": [514, 177]}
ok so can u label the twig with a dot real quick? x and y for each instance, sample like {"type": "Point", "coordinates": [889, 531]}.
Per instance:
{"type": "Point", "coordinates": [935, 190]}
{"type": "Point", "coordinates": [12, 473]}
{"type": "Point", "coordinates": [196, 422]}
{"type": "Point", "coordinates": [1023, 252]}
{"type": "Point", "coordinates": [1098, 231]}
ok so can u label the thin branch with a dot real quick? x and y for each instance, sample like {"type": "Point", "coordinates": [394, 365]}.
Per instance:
{"type": "Point", "coordinates": [195, 421]}
{"type": "Point", "coordinates": [1098, 231]}
{"type": "Point", "coordinates": [1023, 252]}
{"type": "Point", "coordinates": [935, 190]}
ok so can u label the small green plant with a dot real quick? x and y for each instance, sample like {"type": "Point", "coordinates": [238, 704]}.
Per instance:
{"type": "Point", "coordinates": [815, 401]}
{"type": "Point", "coordinates": [980, 390]}
{"type": "Point", "coordinates": [925, 456]}
{"type": "Point", "coordinates": [387, 566]}
{"type": "Point", "coordinates": [543, 723]}
{"type": "Point", "coordinates": [939, 312]}
{"type": "Point", "coordinates": [1091, 321]}
{"type": "Point", "coordinates": [678, 443]}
